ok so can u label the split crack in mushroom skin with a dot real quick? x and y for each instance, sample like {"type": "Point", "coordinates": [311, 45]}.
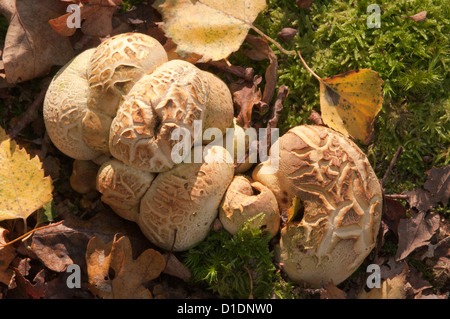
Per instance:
{"type": "Point", "coordinates": [342, 199]}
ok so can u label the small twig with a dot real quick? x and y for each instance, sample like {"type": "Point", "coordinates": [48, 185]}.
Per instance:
{"type": "Point", "coordinates": [396, 196]}
{"type": "Point", "coordinates": [283, 50]}
{"type": "Point", "coordinates": [29, 233]}
{"type": "Point", "coordinates": [30, 113]}
{"type": "Point", "coordinates": [244, 73]}
{"type": "Point", "coordinates": [391, 165]}
{"type": "Point", "coordinates": [307, 67]}
{"type": "Point", "coordinates": [251, 282]}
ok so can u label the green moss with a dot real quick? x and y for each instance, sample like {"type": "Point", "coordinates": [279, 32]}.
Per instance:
{"type": "Point", "coordinates": [127, 5]}
{"type": "Point", "coordinates": [224, 263]}
{"type": "Point", "coordinates": [411, 57]}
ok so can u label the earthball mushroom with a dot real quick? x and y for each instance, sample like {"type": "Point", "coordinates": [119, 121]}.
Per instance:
{"type": "Point", "coordinates": [249, 201]}
{"type": "Point", "coordinates": [174, 209]}
{"type": "Point", "coordinates": [341, 202]}
{"type": "Point", "coordinates": [124, 98]}
{"type": "Point", "coordinates": [118, 106]}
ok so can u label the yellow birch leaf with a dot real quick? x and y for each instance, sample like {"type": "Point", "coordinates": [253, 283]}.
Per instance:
{"type": "Point", "coordinates": [23, 187]}
{"type": "Point", "coordinates": [350, 102]}
{"type": "Point", "coordinates": [210, 28]}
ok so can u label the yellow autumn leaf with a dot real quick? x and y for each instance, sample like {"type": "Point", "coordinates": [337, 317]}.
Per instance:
{"type": "Point", "coordinates": [295, 208]}
{"type": "Point", "coordinates": [350, 102]}
{"type": "Point", "coordinates": [23, 187]}
{"type": "Point", "coordinates": [212, 29]}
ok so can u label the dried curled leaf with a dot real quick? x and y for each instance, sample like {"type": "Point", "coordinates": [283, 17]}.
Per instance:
{"type": "Point", "coordinates": [349, 102]}
{"type": "Point", "coordinates": [211, 28]}
{"type": "Point", "coordinates": [393, 288]}
{"type": "Point", "coordinates": [23, 187]}
{"type": "Point", "coordinates": [32, 47]}
{"type": "Point", "coordinates": [113, 274]}
{"type": "Point", "coordinates": [96, 15]}
{"type": "Point", "coordinates": [7, 254]}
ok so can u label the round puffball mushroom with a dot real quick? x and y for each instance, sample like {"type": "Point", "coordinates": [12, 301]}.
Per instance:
{"type": "Point", "coordinates": [115, 66]}
{"type": "Point", "coordinates": [122, 188]}
{"type": "Point", "coordinates": [117, 105]}
{"type": "Point", "coordinates": [241, 143]}
{"type": "Point", "coordinates": [248, 201]}
{"type": "Point", "coordinates": [65, 106]}
{"type": "Point", "coordinates": [171, 98]}
{"type": "Point", "coordinates": [181, 204]}
{"type": "Point", "coordinates": [342, 201]}
{"type": "Point", "coordinates": [84, 95]}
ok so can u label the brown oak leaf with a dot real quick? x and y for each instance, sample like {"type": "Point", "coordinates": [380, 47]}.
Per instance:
{"type": "Point", "coordinates": [113, 274]}
{"type": "Point", "coordinates": [32, 47]}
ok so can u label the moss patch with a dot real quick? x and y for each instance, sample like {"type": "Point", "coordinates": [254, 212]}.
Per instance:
{"type": "Point", "coordinates": [411, 57]}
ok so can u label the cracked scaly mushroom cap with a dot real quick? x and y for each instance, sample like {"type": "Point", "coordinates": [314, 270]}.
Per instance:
{"type": "Point", "coordinates": [342, 201]}
{"type": "Point", "coordinates": [172, 97]}
{"type": "Point", "coordinates": [115, 66]}
{"type": "Point", "coordinates": [181, 204]}
{"type": "Point", "coordinates": [122, 187]}
{"type": "Point", "coordinates": [246, 201]}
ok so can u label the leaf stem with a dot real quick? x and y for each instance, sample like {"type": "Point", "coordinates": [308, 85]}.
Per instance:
{"type": "Point", "coordinates": [29, 233]}
{"type": "Point", "coordinates": [307, 67]}
{"type": "Point", "coordinates": [272, 41]}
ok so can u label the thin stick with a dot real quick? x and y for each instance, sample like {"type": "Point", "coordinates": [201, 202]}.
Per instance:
{"type": "Point", "coordinates": [29, 233]}
{"type": "Point", "coordinates": [272, 41]}
{"type": "Point", "coordinates": [307, 67]}
{"type": "Point", "coordinates": [396, 196]}
{"type": "Point", "coordinates": [391, 165]}
{"type": "Point", "coordinates": [251, 282]}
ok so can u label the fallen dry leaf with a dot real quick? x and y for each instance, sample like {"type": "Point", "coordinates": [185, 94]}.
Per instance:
{"type": "Point", "coordinates": [421, 16]}
{"type": "Point", "coordinates": [415, 232]}
{"type": "Point", "coordinates": [113, 274]}
{"type": "Point", "coordinates": [436, 190]}
{"type": "Point", "coordinates": [176, 268]}
{"type": "Point", "coordinates": [96, 15]}
{"type": "Point", "coordinates": [7, 255]}
{"type": "Point", "coordinates": [246, 95]}
{"type": "Point", "coordinates": [65, 244]}
{"type": "Point", "coordinates": [393, 212]}
{"type": "Point", "coordinates": [23, 187]}
{"type": "Point", "coordinates": [212, 29]}
{"type": "Point", "coordinates": [37, 290]}
{"type": "Point", "coordinates": [261, 51]}
{"type": "Point", "coordinates": [330, 291]}
{"type": "Point", "coordinates": [350, 102]}
{"type": "Point", "coordinates": [32, 47]}
{"type": "Point", "coordinates": [390, 288]}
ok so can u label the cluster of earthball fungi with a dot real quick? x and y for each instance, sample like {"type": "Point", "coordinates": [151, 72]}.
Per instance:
{"type": "Point", "coordinates": [113, 108]}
